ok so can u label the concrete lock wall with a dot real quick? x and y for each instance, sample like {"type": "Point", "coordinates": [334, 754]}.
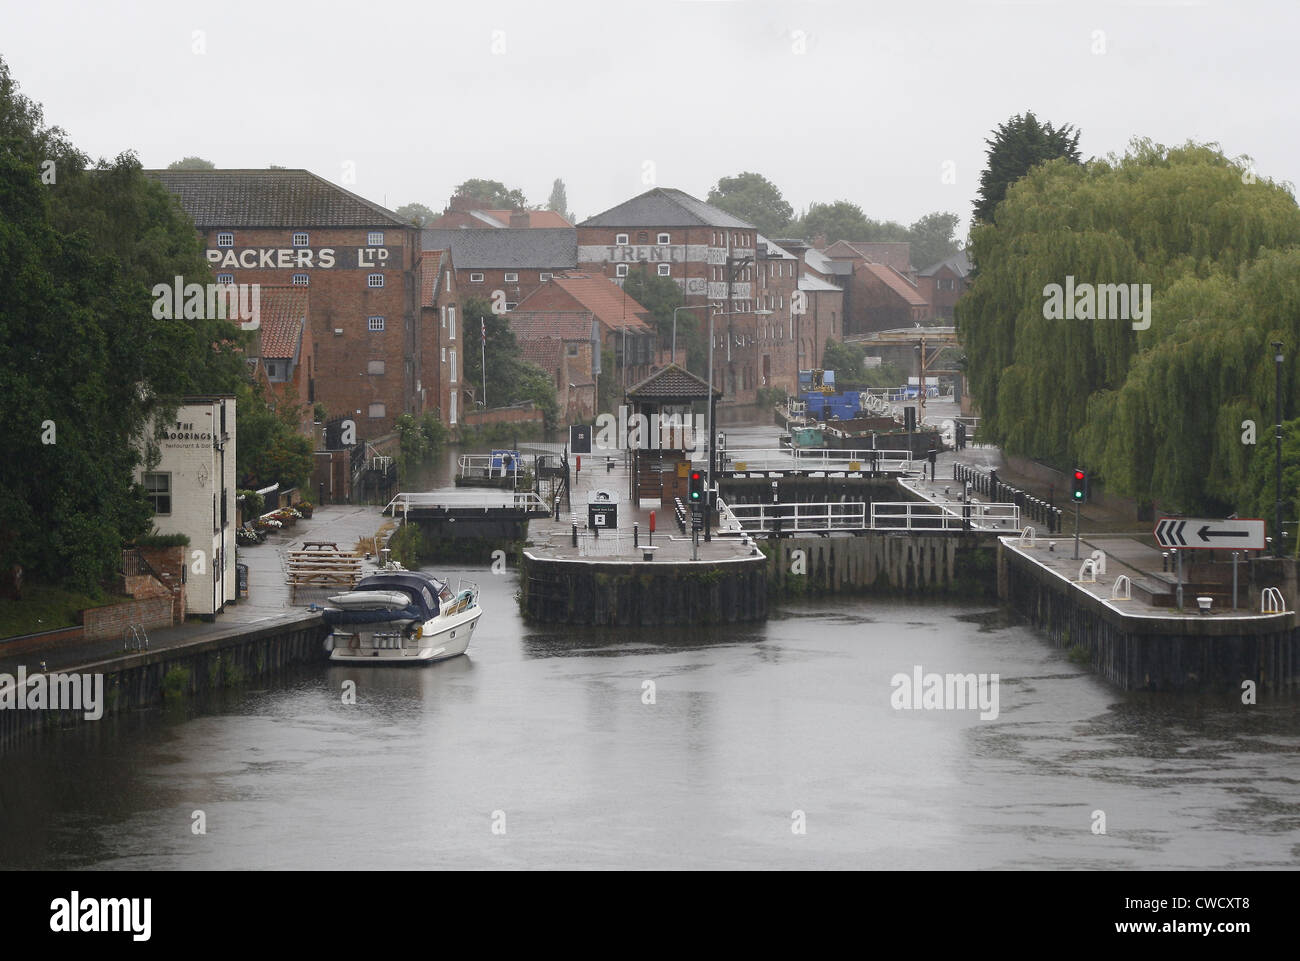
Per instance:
{"type": "Point", "coordinates": [152, 678]}
{"type": "Point", "coordinates": [642, 595]}
{"type": "Point", "coordinates": [1152, 652]}
{"type": "Point", "coordinates": [954, 563]}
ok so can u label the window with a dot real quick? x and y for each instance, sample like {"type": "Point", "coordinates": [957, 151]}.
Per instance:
{"type": "Point", "coordinates": [620, 239]}
{"type": "Point", "coordinates": [510, 306]}
{"type": "Point", "coordinates": [377, 411]}
{"type": "Point", "coordinates": [375, 280]}
{"type": "Point", "coordinates": [451, 412]}
{"type": "Point", "coordinates": [543, 277]}
{"type": "Point", "coordinates": [374, 367]}
{"type": "Point", "coordinates": [664, 239]}
{"type": "Point", "coordinates": [444, 317]}
{"type": "Point", "coordinates": [271, 371]}
{"type": "Point", "coordinates": [374, 323]}
{"type": "Point", "coordinates": [444, 355]}
{"type": "Point", "coordinates": [476, 278]}
{"type": "Point", "coordinates": [300, 239]}
{"type": "Point", "coordinates": [225, 278]}
{"type": "Point", "coordinates": [225, 240]}
{"type": "Point", "coordinates": [158, 488]}
{"type": "Point", "coordinates": [375, 238]}
{"type": "Point", "coordinates": [300, 280]}
{"type": "Point", "coordinates": [451, 323]}
{"type": "Point", "coordinates": [572, 350]}
{"type": "Point", "coordinates": [620, 270]}
{"type": "Point", "coordinates": [512, 278]}
{"type": "Point", "coordinates": [452, 366]}
{"type": "Point", "coordinates": [665, 270]}
{"type": "Point", "coordinates": [448, 284]}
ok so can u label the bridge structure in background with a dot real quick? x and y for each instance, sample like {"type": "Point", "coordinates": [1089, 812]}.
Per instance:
{"type": "Point", "coordinates": [815, 461]}
{"type": "Point", "coordinates": [857, 517]}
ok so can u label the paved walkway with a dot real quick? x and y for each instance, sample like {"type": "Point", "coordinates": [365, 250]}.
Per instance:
{"type": "Point", "coordinates": [267, 603]}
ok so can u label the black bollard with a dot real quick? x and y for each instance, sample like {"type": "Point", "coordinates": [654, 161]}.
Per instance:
{"type": "Point", "coordinates": [575, 535]}
{"type": "Point", "coordinates": [636, 535]}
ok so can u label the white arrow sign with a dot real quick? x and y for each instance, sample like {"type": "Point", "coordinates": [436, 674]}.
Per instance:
{"type": "Point", "coordinates": [1205, 534]}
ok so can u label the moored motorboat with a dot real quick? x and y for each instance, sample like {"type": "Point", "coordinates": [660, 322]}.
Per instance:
{"type": "Point", "coordinates": [400, 616]}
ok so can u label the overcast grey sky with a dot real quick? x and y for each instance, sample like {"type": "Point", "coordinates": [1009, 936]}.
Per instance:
{"type": "Point", "coordinates": [421, 96]}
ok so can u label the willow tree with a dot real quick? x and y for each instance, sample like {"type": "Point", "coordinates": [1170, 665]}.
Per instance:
{"type": "Point", "coordinates": [1157, 411]}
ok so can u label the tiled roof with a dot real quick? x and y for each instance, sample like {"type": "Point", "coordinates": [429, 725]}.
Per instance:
{"type": "Point", "coordinates": [282, 311]}
{"type": "Point", "coordinates": [672, 383]}
{"type": "Point", "coordinates": [773, 251]}
{"type": "Point", "coordinates": [270, 198]}
{"type": "Point", "coordinates": [605, 299]}
{"type": "Point", "coordinates": [898, 283]}
{"type": "Point", "coordinates": [498, 219]}
{"type": "Point", "coordinates": [808, 282]}
{"type": "Point", "coordinates": [558, 324]}
{"type": "Point", "coordinates": [430, 275]}
{"type": "Point", "coordinates": [897, 254]}
{"type": "Point", "coordinates": [546, 352]}
{"type": "Point", "coordinates": [540, 248]}
{"type": "Point", "coordinates": [958, 263]}
{"type": "Point", "coordinates": [665, 207]}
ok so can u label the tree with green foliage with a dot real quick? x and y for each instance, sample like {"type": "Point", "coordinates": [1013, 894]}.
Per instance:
{"type": "Point", "coordinates": [195, 163]}
{"type": "Point", "coordinates": [492, 194]}
{"type": "Point", "coordinates": [932, 238]}
{"type": "Point", "coordinates": [1156, 413]}
{"type": "Point", "coordinates": [1018, 146]}
{"type": "Point", "coordinates": [510, 378]}
{"type": "Point", "coordinates": [270, 449]}
{"type": "Point", "coordinates": [417, 214]}
{"type": "Point", "coordinates": [93, 371]}
{"type": "Point", "coordinates": [754, 198]}
{"type": "Point", "coordinates": [559, 201]}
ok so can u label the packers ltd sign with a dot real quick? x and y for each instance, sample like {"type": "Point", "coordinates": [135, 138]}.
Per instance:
{"type": "Point", "coordinates": [305, 258]}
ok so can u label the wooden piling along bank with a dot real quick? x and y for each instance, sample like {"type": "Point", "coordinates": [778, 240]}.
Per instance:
{"type": "Point", "coordinates": [553, 591]}
{"type": "Point", "coordinates": [151, 678]}
{"type": "Point", "coordinates": [1149, 651]}
{"type": "Point", "coordinates": [955, 564]}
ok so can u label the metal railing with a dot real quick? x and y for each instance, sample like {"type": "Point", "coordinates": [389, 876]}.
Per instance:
{"type": "Point", "coordinates": [986, 484]}
{"type": "Point", "coordinates": [920, 515]}
{"type": "Point", "coordinates": [495, 465]}
{"type": "Point", "coordinates": [467, 500]}
{"type": "Point", "coordinates": [815, 459]}
{"type": "Point", "coordinates": [792, 518]}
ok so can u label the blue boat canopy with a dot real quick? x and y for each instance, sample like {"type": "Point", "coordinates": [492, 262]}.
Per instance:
{"type": "Point", "coordinates": [423, 589]}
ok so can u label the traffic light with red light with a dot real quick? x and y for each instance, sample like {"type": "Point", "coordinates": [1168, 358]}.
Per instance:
{"type": "Point", "coordinates": [1079, 487]}
{"type": "Point", "coordinates": [696, 490]}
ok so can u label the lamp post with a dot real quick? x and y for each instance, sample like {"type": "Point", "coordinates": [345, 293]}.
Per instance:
{"type": "Point", "coordinates": [708, 492]}
{"type": "Point", "coordinates": [1277, 521]}
{"type": "Point", "coordinates": [675, 310]}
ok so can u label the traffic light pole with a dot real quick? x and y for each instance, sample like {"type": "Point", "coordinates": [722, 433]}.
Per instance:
{"type": "Point", "coordinates": [1076, 528]}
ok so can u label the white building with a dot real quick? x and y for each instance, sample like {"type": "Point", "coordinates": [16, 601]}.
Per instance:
{"type": "Point", "coordinates": [193, 493]}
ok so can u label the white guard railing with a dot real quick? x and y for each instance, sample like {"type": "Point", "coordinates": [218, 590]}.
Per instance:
{"type": "Point", "coordinates": [918, 515]}
{"type": "Point", "coordinates": [815, 459]}
{"type": "Point", "coordinates": [488, 465]}
{"type": "Point", "coordinates": [791, 518]}
{"type": "Point", "coordinates": [461, 500]}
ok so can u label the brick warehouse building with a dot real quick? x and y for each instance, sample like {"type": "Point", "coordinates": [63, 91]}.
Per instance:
{"type": "Point", "coordinates": [707, 251]}
{"type": "Point", "coordinates": [359, 261]}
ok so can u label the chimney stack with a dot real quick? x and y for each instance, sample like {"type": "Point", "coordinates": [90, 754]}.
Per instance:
{"type": "Point", "coordinates": [819, 242]}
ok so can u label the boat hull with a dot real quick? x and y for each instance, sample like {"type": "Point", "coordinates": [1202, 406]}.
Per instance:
{"type": "Point", "coordinates": [441, 638]}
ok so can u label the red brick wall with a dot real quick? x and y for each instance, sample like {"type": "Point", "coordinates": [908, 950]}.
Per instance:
{"type": "Point", "coordinates": [111, 621]}
{"type": "Point", "coordinates": [170, 563]}
{"type": "Point", "coordinates": [494, 280]}
{"type": "Point", "coordinates": [504, 415]}
{"type": "Point", "coordinates": [341, 299]}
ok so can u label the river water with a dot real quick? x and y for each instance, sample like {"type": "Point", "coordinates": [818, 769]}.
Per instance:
{"type": "Point", "coordinates": [546, 737]}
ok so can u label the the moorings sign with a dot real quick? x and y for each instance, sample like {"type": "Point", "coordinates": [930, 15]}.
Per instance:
{"type": "Point", "coordinates": [305, 258]}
